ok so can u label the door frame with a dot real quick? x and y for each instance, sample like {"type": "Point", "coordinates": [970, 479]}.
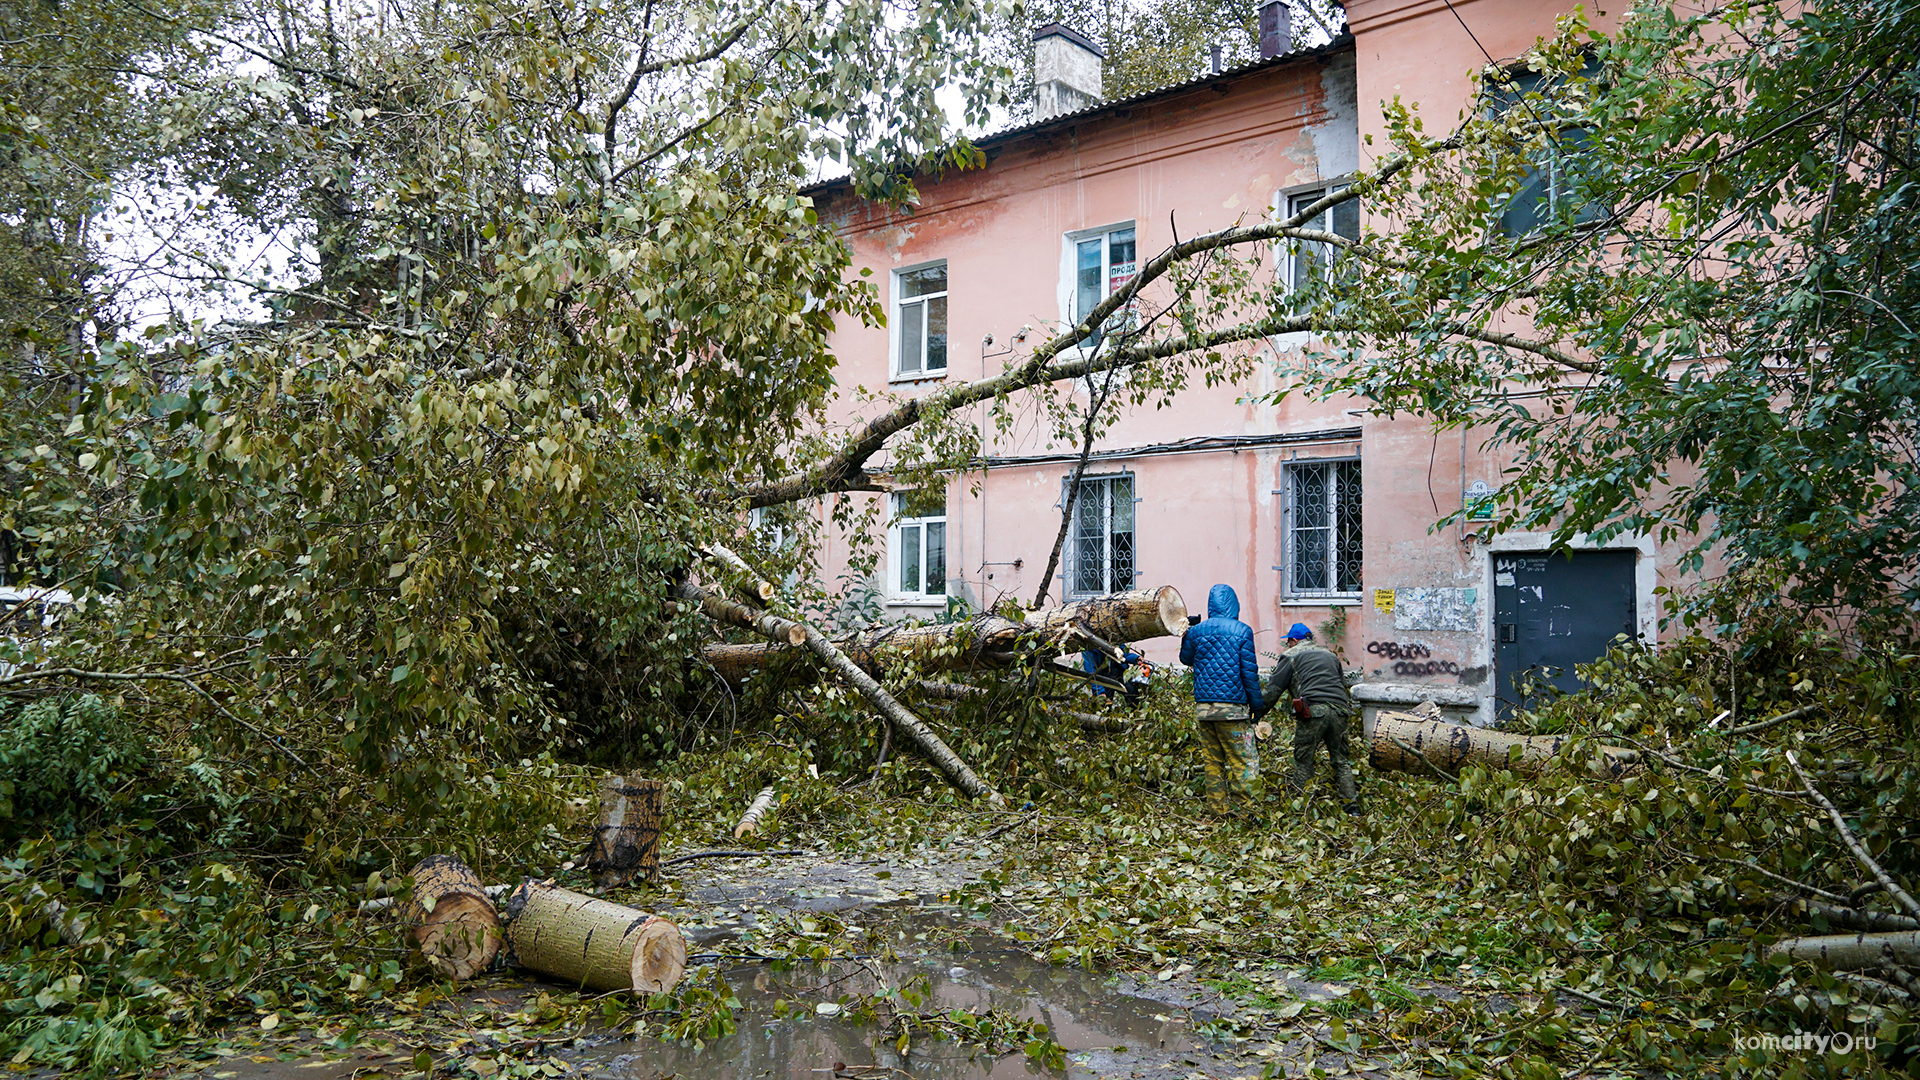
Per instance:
{"type": "Point", "coordinates": [1645, 578]}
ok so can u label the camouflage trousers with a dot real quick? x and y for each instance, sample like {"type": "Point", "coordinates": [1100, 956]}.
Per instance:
{"type": "Point", "coordinates": [1329, 728]}
{"type": "Point", "coordinates": [1227, 748]}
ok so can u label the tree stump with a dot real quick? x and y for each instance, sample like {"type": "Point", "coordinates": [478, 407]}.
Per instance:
{"type": "Point", "coordinates": [592, 943]}
{"type": "Point", "coordinates": [449, 920]}
{"type": "Point", "coordinates": [626, 842]}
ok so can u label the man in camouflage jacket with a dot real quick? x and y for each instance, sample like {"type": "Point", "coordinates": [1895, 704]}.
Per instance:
{"type": "Point", "coordinates": [1321, 708]}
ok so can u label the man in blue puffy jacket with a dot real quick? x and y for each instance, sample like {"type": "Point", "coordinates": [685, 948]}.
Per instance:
{"type": "Point", "coordinates": [1226, 694]}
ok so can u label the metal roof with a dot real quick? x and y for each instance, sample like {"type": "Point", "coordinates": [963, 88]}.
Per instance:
{"type": "Point", "coordinates": [1033, 127]}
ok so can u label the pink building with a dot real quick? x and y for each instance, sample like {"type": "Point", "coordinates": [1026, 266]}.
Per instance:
{"type": "Point", "coordinates": [1314, 511]}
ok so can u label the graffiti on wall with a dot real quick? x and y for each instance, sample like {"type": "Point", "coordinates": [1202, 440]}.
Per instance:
{"type": "Point", "coordinates": [1398, 650]}
{"type": "Point", "coordinates": [1426, 667]}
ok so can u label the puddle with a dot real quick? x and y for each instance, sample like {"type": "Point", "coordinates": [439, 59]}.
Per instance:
{"type": "Point", "coordinates": [1103, 1030]}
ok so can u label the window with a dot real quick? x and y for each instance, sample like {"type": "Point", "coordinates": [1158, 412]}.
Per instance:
{"type": "Point", "coordinates": [920, 321]}
{"type": "Point", "coordinates": [1101, 559]}
{"type": "Point", "coordinates": [919, 545]}
{"type": "Point", "coordinates": [1322, 529]}
{"type": "Point", "coordinates": [1103, 263]}
{"type": "Point", "coordinates": [1305, 260]}
{"type": "Point", "coordinates": [1546, 191]}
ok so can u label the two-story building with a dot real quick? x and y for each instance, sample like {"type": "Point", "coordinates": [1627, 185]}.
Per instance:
{"type": "Point", "coordinates": [1316, 511]}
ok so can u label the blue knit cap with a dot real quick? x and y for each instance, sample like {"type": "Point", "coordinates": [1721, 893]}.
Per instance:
{"type": "Point", "coordinates": [1299, 631]}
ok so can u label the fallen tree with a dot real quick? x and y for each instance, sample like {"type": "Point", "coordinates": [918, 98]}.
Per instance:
{"type": "Point", "coordinates": [1410, 744]}
{"type": "Point", "coordinates": [983, 642]}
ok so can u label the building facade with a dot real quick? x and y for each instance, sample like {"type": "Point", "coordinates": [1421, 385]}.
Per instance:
{"type": "Point", "coordinates": [1315, 511]}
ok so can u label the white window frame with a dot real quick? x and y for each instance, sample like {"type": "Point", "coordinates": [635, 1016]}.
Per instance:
{"type": "Point", "coordinates": [1290, 201]}
{"type": "Point", "coordinates": [1290, 532]}
{"type": "Point", "coordinates": [1070, 276]}
{"type": "Point", "coordinates": [898, 529]}
{"type": "Point", "coordinates": [1571, 141]}
{"type": "Point", "coordinates": [1069, 579]}
{"type": "Point", "coordinates": [896, 325]}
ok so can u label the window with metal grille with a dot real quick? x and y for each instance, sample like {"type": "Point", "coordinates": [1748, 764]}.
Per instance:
{"type": "Point", "coordinates": [1322, 529]}
{"type": "Point", "coordinates": [918, 545]}
{"type": "Point", "coordinates": [1100, 560]}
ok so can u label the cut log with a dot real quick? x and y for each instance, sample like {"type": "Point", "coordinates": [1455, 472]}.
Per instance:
{"type": "Point", "coordinates": [1122, 617]}
{"type": "Point", "coordinates": [721, 609]}
{"type": "Point", "coordinates": [626, 840]}
{"type": "Point", "coordinates": [1853, 952]}
{"type": "Point", "coordinates": [761, 590]}
{"type": "Point", "coordinates": [449, 919]}
{"type": "Point", "coordinates": [592, 943]}
{"type": "Point", "coordinates": [1404, 743]}
{"type": "Point", "coordinates": [757, 809]}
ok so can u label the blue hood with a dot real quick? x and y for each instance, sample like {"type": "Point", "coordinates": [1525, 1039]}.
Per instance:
{"type": "Point", "coordinates": [1222, 603]}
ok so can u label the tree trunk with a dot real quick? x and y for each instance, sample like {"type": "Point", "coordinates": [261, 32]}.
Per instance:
{"type": "Point", "coordinates": [750, 821]}
{"type": "Point", "coordinates": [592, 943]}
{"type": "Point", "coordinates": [1449, 747]}
{"type": "Point", "coordinates": [1122, 617]}
{"type": "Point", "coordinates": [626, 842]}
{"type": "Point", "coordinates": [984, 641]}
{"type": "Point", "coordinates": [734, 664]}
{"type": "Point", "coordinates": [1853, 952]}
{"type": "Point", "coordinates": [450, 920]}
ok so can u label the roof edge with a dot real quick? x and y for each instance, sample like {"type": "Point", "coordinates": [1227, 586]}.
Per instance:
{"type": "Point", "coordinates": [1343, 40]}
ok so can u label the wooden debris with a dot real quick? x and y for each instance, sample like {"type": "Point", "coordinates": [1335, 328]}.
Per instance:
{"type": "Point", "coordinates": [596, 944]}
{"type": "Point", "coordinates": [750, 821]}
{"type": "Point", "coordinates": [626, 841]}
{"type": "Point", "coordinates": [449, 919]}
{"type": "Point", "coordinates": [1405, 743]}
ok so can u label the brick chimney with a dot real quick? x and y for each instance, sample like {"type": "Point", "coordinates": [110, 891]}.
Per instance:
{"type": "Point", "coordinates": [1276, 29]}
{"type": "Point", "coordinates": [1066, 72]}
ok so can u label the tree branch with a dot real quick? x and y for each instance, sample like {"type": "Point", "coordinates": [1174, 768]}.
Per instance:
{"type": "Point", "coordinates": [1853, 843]}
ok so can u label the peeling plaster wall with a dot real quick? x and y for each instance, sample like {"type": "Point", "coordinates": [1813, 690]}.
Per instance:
{"type": "Point", "coordinates": [1202, 160]}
